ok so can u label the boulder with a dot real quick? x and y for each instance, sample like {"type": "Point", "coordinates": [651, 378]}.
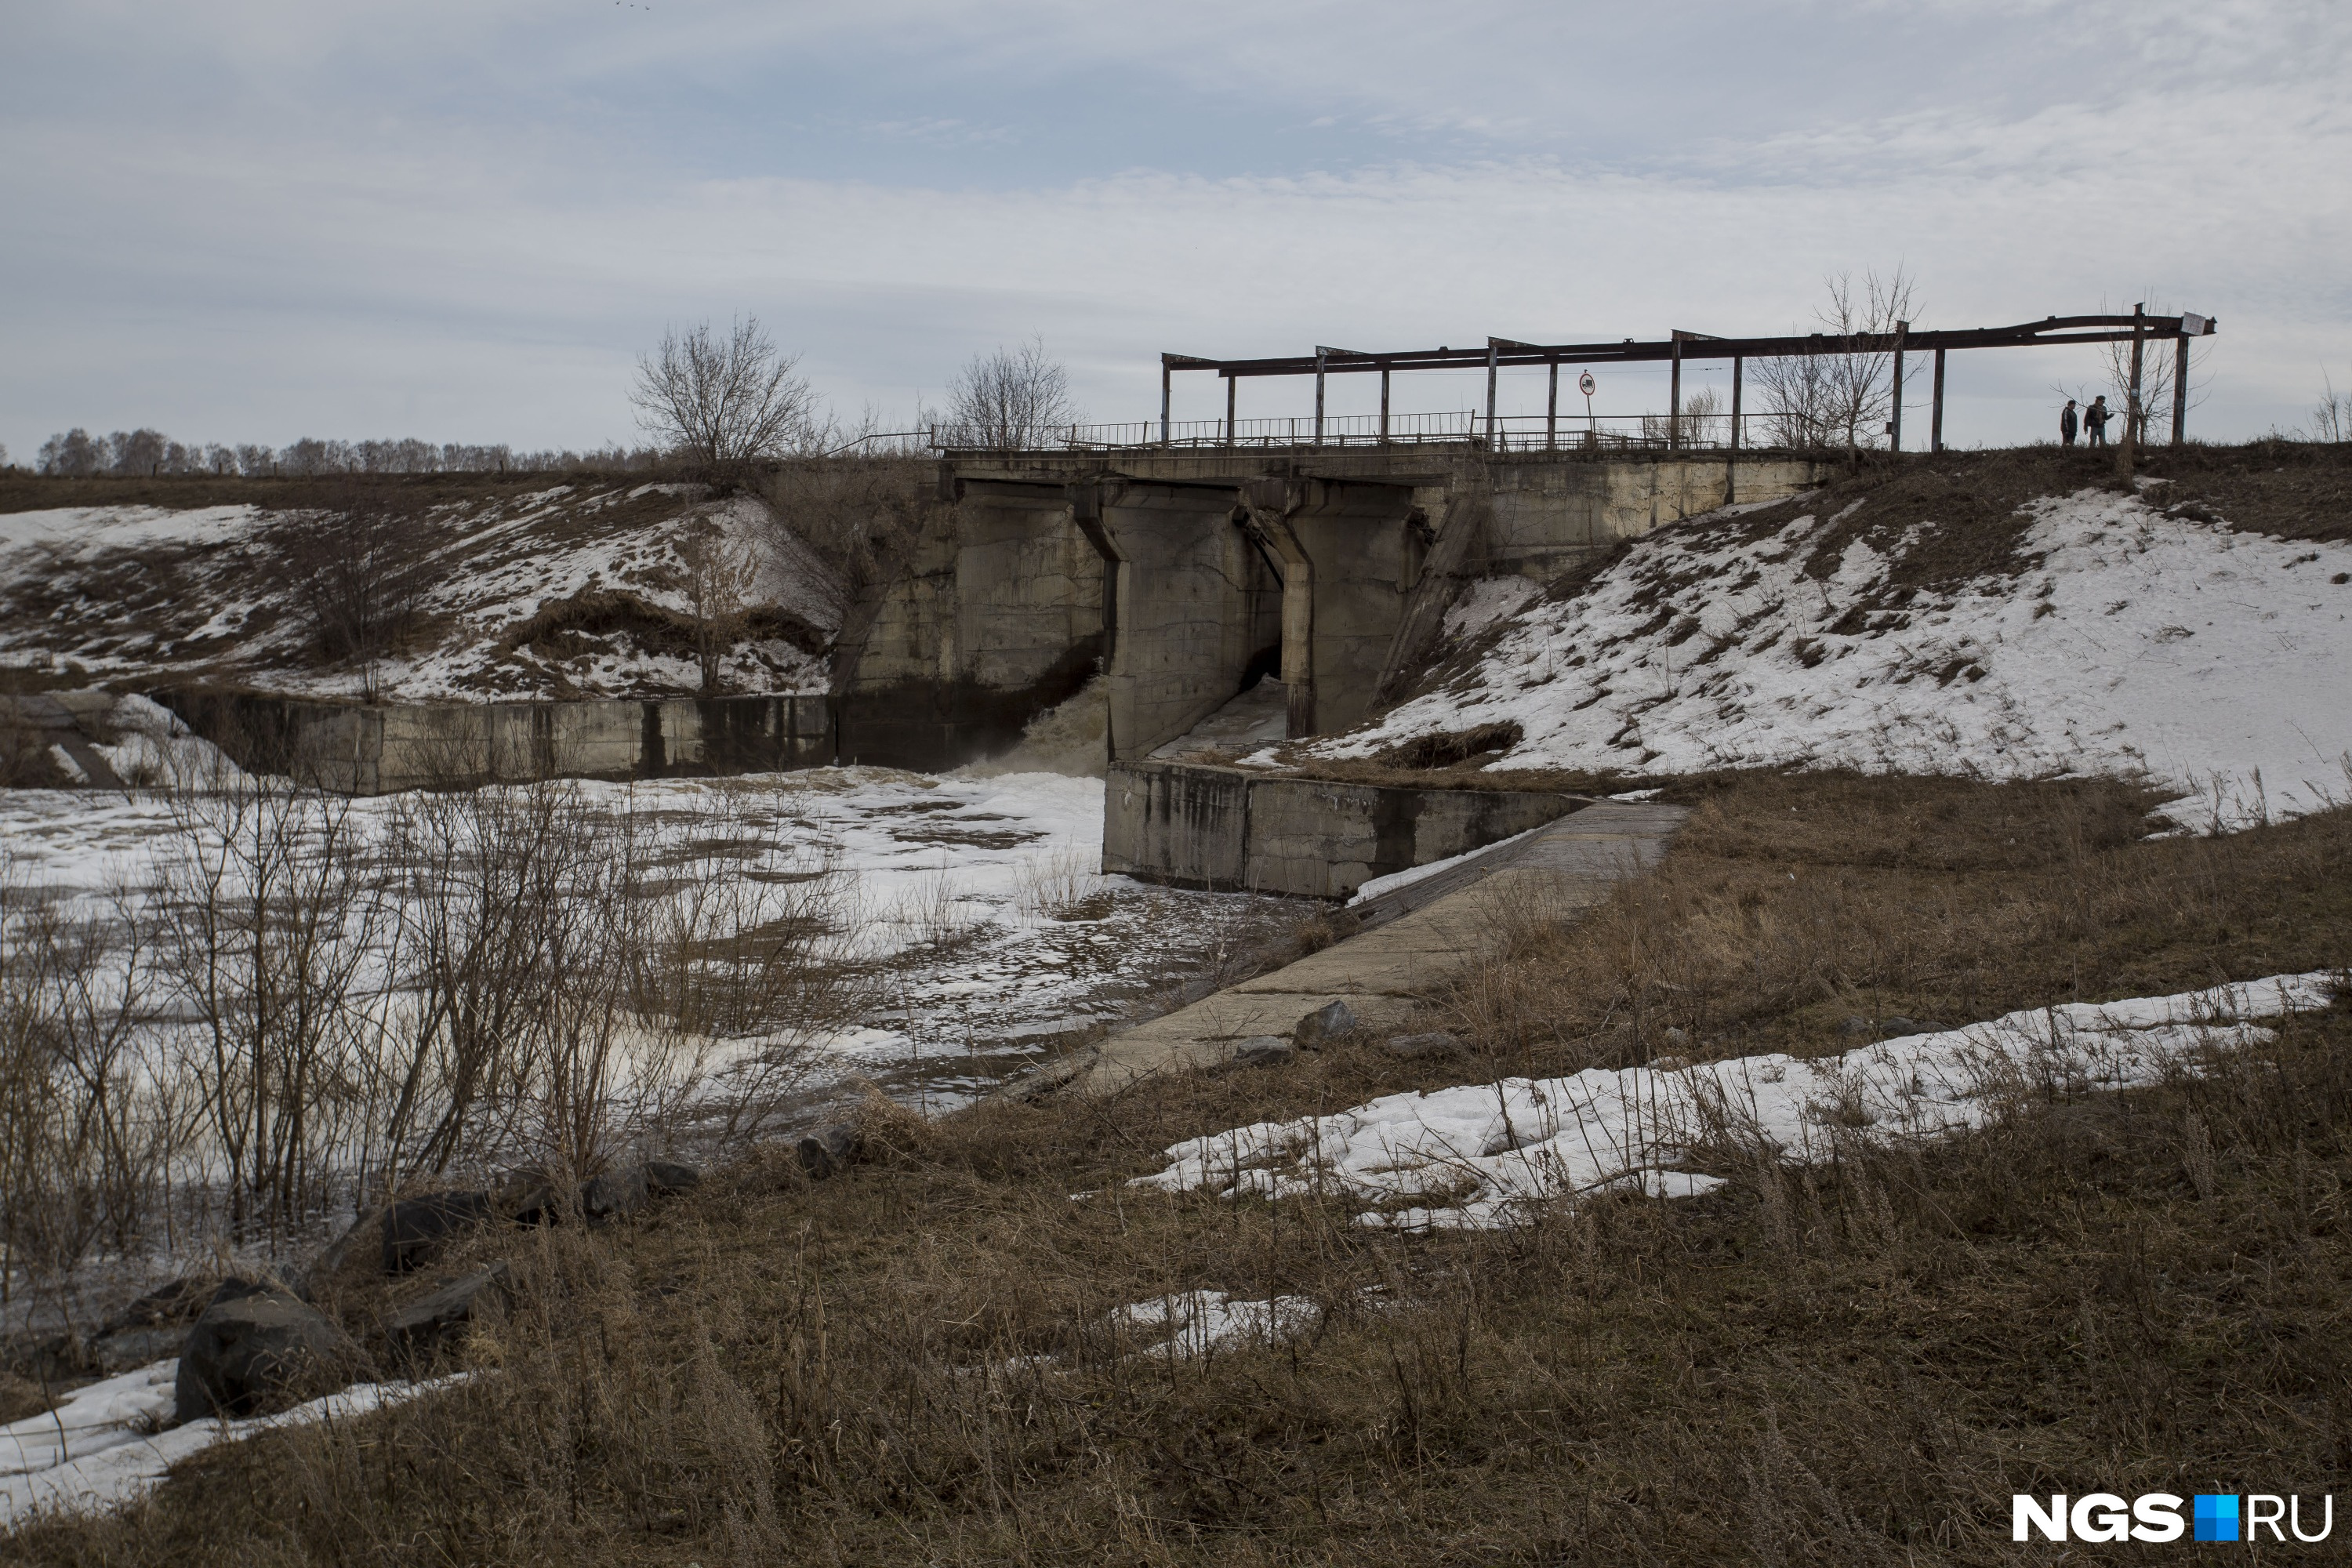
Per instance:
{"type": "Point", "coordinates": [1434, 1043]}
{"type": "Point", "coordinates": [1263, 1051]}
{"type": "Point", "coordinates": [151, 1328]}
{"type": "Point", "coordinates": [829, 1151]}
{"type": "Point", "coordinates": [422, 1327]}
{"type": "Point", "coordinates": [257, 1348]}
{"type": "Point", "coordinates": [528, 1196]}
{"type": "Point", "coordinates": [623, 1190]}
{"type": "Point", "coordinates": [415, 1228]}
{"type": "Point", "coordinates": [1325, 1023]}
{"type": "Point", "coordinates": [667, 1178]}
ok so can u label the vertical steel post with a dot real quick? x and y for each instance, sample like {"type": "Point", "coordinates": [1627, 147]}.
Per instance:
{"type": "Point", "coordinates": [1384, 405]}
{"type": "Point", "coordinates": [1936, 411]}
{"type": "Point", "coordinates": [1232, 433]}
{"type": "Point", "coordinates": [1319, 395]}
{"type": "Point", "coordinates": [1490, 394]}
{"type": "Point", "coordinates": [1675, 401]}
{"type": "Point", "coordinates": [2180, 388]}
{"type": "Point", "coordinates": [2127, 450]}
{"type": "Point", "coordinates": [1163, 400]}
{"type": "Point", "coordinates": [1731, 458]}
{"type": "Point", "coordinates": [1894, 425]}
{"type": "Point", "coordinates": [1551, 410]}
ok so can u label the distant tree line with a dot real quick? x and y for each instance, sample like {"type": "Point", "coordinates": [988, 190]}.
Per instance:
{"type": "Point", "coordinates": [143, 454]}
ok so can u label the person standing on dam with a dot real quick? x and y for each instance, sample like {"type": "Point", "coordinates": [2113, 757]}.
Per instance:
{"type": "Point", "coordinates": [2066, 424]}
{"type": "Point", "coordinates": [2095, 421]}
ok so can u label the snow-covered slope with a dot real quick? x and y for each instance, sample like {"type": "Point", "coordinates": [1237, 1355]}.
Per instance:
{"type": "Point", "coordinates": [563, 591]}
{"type": "Point", "coordinates": [2115, 638]}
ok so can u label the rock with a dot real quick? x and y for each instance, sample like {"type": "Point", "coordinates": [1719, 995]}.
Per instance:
{"type": "Point", "coordinates": [622, 1190]}
{"type": "Point", "coordinates": [424, 1327]}
{"type": "Point", "coordinates": [180, 1301]}
{"type": "Point", "coordinates": [121, 1350]}
{"type": "Point", "coordinates": [52, 1359]}
{"type": "Point", "coordinates": [151, 1328]}
{"type": "Point", "coordinates": [828, 1151]}
{"type": "Point", "coordinates": [527, 1195]}
{"type": "Point", "coordinates": [667, 1178]}
{"type": "Point", "coordinates": [1325, 1023]}
{"type": "Point", "coordinates": [1888, 1028]}
{"type": "Point", "coordinates": [1263, 1051]}
{"type": "Point", "coordinates": [338, 1254]}
{"type": "Point", "coordinates": [1677, 1036]}
{"type": "Point", "coordinates": [1435, 1042]}
{"type": "Point", "coordinates": [257, 1348]}
{"type": "Point", "coordinates": [415, 1228]}
{"type": "Point", "coordinates": [1856, 1027]}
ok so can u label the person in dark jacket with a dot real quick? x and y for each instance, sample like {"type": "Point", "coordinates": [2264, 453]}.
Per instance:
{"type": "Point", "coordinates": [2066, 424]}
{"type": "Point", "coordinates": [2095, 421]}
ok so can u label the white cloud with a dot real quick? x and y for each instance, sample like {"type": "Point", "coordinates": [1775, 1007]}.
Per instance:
{"type": "Point", "coordinates": [462, 223]}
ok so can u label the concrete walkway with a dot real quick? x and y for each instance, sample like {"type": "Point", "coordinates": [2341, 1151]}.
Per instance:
{"type": "Point", "coordinates": [1411, 943]}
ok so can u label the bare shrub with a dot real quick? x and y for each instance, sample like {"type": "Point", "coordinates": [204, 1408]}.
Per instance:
{"type": "Point", "coordinates": [1009, 400]}
{"type": "Point", "coordinates": [861, 514]}
{"type": "Point", "coordinates": [716, 574]}
{"type": "Point", "coordinates": [1703, 421]}
{"type": "Point", "coordinates": [266, 913]}
{"type": "Point", "coordinates": [2331, 416]}
{"type": "Point", "coordinates": [725, 403]}
{"type": "Point", "coordinates": [365, 567]}
{"type": "Point", "coordinates": [1842, 395]}
{"type": "Point", "coordinates": [1066, 886]}
{"type": "Point", "coordinates": [88, 1132]}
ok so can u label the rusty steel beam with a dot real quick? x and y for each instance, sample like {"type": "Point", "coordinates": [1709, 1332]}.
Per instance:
{"type": "Point", "coordinates": [2051, 331]}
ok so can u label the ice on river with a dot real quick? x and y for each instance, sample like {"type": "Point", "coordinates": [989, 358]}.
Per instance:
{"type": "Point", "coordinates": [953, 889]}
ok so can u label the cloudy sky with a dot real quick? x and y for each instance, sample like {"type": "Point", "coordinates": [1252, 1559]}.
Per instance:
{"type": "Point", "coordinates": [257, 221]}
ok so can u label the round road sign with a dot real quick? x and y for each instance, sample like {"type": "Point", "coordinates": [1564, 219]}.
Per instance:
{"type": "Point", "coordinates": [1585, 384]}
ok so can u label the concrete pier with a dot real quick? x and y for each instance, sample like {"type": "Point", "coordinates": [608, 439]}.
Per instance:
{"type": "Point", "coordinates": [1185, 574]}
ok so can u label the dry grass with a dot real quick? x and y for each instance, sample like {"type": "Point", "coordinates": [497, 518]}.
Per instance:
{"type": "Point", "coordinates": [1856, 1364]}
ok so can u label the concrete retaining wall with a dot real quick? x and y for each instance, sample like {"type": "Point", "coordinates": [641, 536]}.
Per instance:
{"type": "Point", "coordinates": [1546, 517]}
{"type": "Point", "coordinates": [361, 750]}
{"type": "Point", "coordinates": [1196, 825]}
{"type": "Point", "coordinates": [999, 614]}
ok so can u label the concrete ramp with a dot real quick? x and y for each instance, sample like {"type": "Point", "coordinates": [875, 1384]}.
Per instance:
{"type": "Point", "coordinates": [1418, 938]}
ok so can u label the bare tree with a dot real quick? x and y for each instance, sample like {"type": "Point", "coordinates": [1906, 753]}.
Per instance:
{"type": "Point", "coordinates": [725, 402]}
{"type": "Point", "coordinates": [72, 455]}
{"type": "Point", "coordinates": [716, 574]}
{"type": "Point", "coordinates": [1703, 421]}
{"type": "Point", "coordinates": [2331, 416]}
{"type": "Point", "coordinates": [1842, 395]}
{"type": "Point", "coordinates": [1010, 400]}
{"type": "Point", "coordinates": [2156, 371]}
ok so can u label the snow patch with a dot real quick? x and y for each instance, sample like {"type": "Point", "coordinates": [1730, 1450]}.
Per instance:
{"type": "Point", "coordinates": [1376, 886]}
{"type": "Point", "coordinates": [1483, 1155]}
{"type": "Point", "coordinates": [107, 1444]}
{"type": "Point", "coordinates": [2141, 645]}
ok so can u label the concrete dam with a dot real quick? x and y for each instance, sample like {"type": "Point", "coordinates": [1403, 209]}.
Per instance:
{"type": "Point", "coordinates": [1181, 575]}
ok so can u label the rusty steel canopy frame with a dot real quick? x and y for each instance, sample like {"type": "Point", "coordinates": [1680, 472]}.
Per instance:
{"type": "Point", "coordinates": [2051, 331]}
